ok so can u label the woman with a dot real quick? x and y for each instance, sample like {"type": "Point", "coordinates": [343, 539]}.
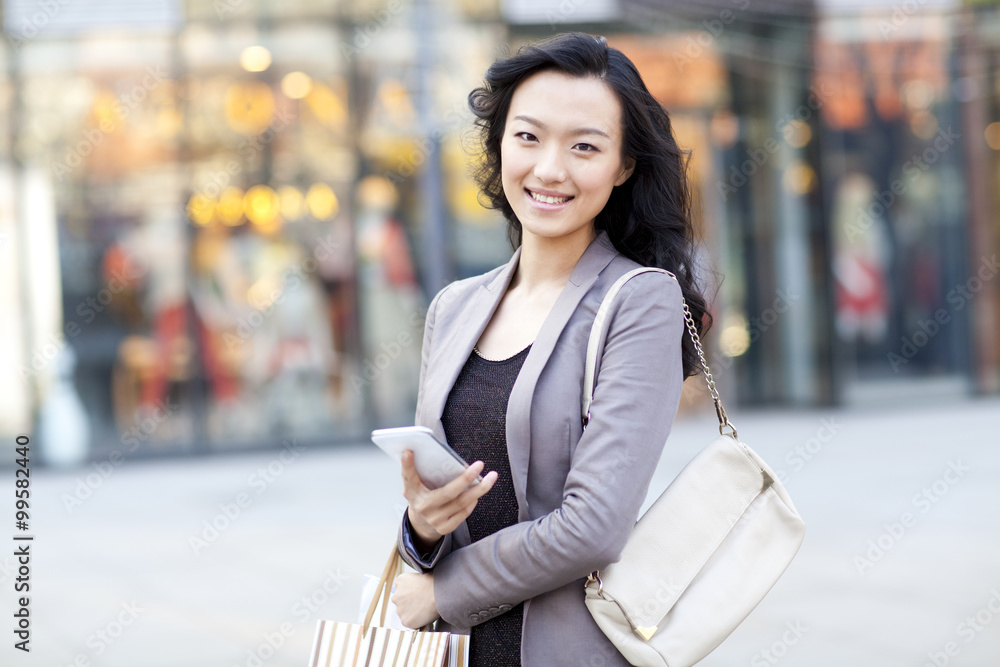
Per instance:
{"type": "Point", "coordinates": [581, 161]}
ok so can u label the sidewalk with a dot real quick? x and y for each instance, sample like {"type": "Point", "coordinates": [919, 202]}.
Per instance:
{"type": "Point", "coordinates": [901, 563]}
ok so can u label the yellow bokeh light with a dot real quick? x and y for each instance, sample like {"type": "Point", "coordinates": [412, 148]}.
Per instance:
{"type": "Point", "coordinates": [296, 85]}
{"type": "Point", "coordinates": [201, 209]}
{"type": "Point", "coordinates": [396, 100]}
{"type": "Point", "coordinates": [799, 178]}
{"type": "Point", "coordinates": [249, 107]}
{"type": "Point", "coordinates": [327, 106]}
{"type": "Point", "coordinates": [924, 124]}
{"type": "Point", "coordinates": [322, 201]}
{"type": "Point", "coordinates": [796, 133]}
{"type": "Point", "coordinates": [169, 123]}
{"type": "Point", "coordinates": [735, 337]}
{"type": "Point", "coordinates": [993, 136]}
{"type": "Point", "coordinates": [265, 292]}
{"type": "Point", "coordinates": [261, 205]}
{"type": "Point", "coordinates": [104, 108]}
{"type": "Point", "coordinates": [255, 59]}
{"type": "Point", "coordinates": [230, 207]}
{"type": "Point", "coordinates": [292, 202]}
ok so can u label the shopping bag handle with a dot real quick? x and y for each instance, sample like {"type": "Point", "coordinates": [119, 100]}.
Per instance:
{"type": "Point", "coordinates": [393, 568]}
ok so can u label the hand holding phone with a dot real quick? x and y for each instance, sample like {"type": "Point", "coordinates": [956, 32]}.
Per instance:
{"type": "Point", "coordinates": [436, 463]}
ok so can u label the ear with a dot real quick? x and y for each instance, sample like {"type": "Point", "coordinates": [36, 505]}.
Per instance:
{"type": "Point", "coordinates": [628, 166]}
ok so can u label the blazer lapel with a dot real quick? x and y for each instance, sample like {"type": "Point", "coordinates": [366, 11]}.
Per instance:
{"type": "Point", "coordinates": [463, 338]}
{"type": "Point", "coordinates": [598, 255]}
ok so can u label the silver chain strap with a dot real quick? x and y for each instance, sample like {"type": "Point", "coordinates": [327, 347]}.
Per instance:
{"type": "Point", "coordinates": [719, 410]}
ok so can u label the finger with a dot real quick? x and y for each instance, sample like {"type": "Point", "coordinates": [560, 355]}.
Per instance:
{"type": "Point", "coordinates": [477, 491]}
{"type": "Point", "coordinates": [466, 501]}
{"type": "Point", "coordinates": [455, 487]}
{"type": "Point", "coordinates": [411, 479]}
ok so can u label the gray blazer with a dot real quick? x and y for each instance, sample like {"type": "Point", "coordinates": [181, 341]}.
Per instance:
{"type": "Point", "coordinates": [578, 493]}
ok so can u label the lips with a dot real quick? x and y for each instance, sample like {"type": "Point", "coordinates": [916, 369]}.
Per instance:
{"type": "Point", "coordinates": [547, 199]}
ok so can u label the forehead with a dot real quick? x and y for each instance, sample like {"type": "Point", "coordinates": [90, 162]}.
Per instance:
{"type": "Point", "coordinates": [564, 102]}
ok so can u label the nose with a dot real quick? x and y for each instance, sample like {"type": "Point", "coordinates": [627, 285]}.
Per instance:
{"type": "Point", "coordinates": [550, 167]}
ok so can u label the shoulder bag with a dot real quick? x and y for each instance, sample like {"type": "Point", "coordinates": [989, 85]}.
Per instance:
{"type": "Point", "coordinates": [705, 553]}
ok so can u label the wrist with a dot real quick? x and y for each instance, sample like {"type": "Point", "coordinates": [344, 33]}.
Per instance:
{"type": "Point", "coordinates": [424, 540]}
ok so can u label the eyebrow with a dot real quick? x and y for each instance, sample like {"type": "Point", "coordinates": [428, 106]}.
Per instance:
{"type": "Point", "coordinates": [576, 132]}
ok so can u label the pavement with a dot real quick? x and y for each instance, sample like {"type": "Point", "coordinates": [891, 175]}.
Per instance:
{"type": "Point", "coordinates": [229, 561]}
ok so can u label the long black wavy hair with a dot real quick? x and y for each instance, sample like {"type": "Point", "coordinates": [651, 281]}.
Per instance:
{"type": "Point", "coordinates": [648, 217]}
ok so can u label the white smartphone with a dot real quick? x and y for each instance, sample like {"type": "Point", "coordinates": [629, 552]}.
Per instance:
{"type": "Point", "coordinates": [437, 463]}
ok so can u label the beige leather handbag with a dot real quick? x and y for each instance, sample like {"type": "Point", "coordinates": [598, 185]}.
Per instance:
{"type": "Point", "coordinates": [705, 553]}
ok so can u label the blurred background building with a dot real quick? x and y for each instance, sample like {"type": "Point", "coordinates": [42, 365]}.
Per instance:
{"type": "Point", "coordinates": [221, 222]}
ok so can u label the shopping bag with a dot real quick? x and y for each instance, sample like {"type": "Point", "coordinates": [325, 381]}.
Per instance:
{"type": "Point", "coordinates": [350, 645]}
{"type": "Point", "coordinates": [388, 644]}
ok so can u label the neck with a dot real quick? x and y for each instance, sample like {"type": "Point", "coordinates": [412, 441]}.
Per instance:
{"type": "Point", "coordinates": [548, 262]}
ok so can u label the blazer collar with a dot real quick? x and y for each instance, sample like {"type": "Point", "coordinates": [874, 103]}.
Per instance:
{"type": "Point", "coordinates": [480, 309]}
{"type": "Point", "coordinates": [598, 255]}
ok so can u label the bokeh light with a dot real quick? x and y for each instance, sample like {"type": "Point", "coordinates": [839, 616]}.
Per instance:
{"type": "Point", "coordinates": [296, 85]}
{"type": "Point", "coordinates": [230, 207]}
{"type": "Point", "coordinates": [255, 59]}
{"type": "Point", "coordinates": [797, 133]}
{"type": "Point", "coordinates": [993, 136]}
{"type": "Point", "coordinates": [292, 202]}
{"type": "Point", "coordinates": [322, 201]}
{"type": "Point", "coordinates": [262, 206]}
{"type": "Point", "coordinates": [201, 209]}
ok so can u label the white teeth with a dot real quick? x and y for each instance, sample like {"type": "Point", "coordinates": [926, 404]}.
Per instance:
{"type": "Point", "coordinates": [548, 200]}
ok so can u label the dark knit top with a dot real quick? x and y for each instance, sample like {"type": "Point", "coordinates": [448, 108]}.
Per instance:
{"type": "Point", "coordinates": [475, 424]}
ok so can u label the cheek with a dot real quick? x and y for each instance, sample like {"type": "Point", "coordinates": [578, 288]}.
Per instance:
{"type": "Point", "coordinates": [597, 181]}
{"type": "Point", "coordinates": [512, 166]}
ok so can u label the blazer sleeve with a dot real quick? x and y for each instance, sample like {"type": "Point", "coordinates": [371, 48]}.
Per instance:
{"type": "Point", "coordinates": [635, 400]}
{"type": "Point", "coordinates": [404, 543]}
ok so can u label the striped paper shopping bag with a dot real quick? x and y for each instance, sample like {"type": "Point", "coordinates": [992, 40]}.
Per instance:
{"type": "Point", "coordinates": [348, 645]}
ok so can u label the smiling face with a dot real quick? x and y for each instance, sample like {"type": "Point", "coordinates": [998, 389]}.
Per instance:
{"type": "Point", "coordinates": [561, 153]}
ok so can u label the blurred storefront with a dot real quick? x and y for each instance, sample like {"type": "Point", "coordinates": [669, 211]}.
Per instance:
{"type": "Point", "coordinates": [736, 78]}
{"type": "Point", "coordinates": [913, 245]}
{"type": "Point", "coordinates": [846, 195]}
{"type": "Point", "coordinates": [222, 198]}
{"type": "Point", "coordinates": [230, 215]}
